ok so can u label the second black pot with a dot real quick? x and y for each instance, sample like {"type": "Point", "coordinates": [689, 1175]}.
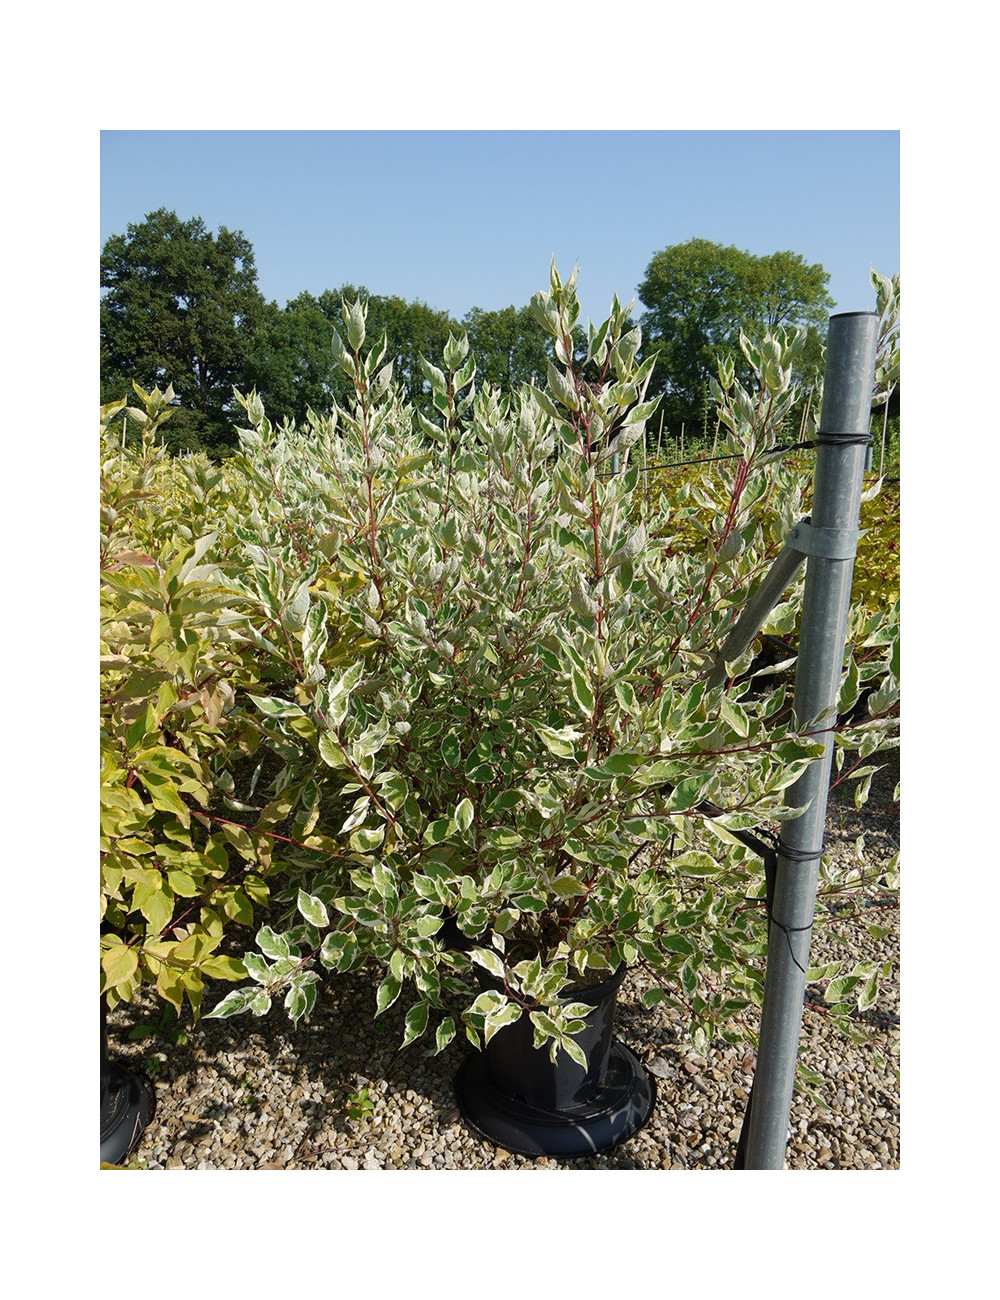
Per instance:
{"type": "Point", "coordinates": [127, 1104]}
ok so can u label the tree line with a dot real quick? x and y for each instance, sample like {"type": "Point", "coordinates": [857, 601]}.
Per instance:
{"type": "Point", "coordinates": [180, 305]}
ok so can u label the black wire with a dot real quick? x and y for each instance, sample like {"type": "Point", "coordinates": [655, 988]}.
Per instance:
{"type": "Point", "coordinates": [821, 439]}
{"type": "Point", "coordinates": [674, 464]}
{"type": "Point", "coordinates": [769, 856]}
{"type": "Point", "coordinates": [795, 856]}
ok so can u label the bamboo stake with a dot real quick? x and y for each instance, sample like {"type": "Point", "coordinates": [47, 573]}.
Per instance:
{"type": "Point", "coordinates": [805, 415]}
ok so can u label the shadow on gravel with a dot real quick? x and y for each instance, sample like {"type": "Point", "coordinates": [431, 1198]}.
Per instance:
{"type": "Point", "coordinates": [303, 1078]}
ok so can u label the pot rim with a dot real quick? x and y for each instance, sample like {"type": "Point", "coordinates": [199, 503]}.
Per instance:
{"type": "Point", "coordinates": [592, 994]}
{"type": "Point", "coordinates": [597, 992]}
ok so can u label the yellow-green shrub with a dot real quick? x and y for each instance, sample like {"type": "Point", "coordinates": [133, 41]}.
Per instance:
{"type": "Point", "coordinates": [191, 636]}
{"type": "Point", "coordinates": [669, 505]}
{"type": "Point", "coordinates": [876, 570]}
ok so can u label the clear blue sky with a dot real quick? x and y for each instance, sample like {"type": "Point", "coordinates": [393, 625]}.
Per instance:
{"type": "Point", "coordinates": [459, 219]}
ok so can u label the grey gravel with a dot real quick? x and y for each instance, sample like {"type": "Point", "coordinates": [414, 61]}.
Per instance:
{"type": "Point", "coordinates": [263, 1094]}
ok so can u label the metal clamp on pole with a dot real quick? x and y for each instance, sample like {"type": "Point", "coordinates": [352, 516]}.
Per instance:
{"type": "Point", "coordinates": [829, 543]}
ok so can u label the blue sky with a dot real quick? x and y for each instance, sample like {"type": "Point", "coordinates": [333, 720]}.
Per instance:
{"type": "Point", "coordinates": [459, 219]}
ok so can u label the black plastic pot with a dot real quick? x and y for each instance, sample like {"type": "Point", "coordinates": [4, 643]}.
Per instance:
{"type": "Point", "coordinates": [514, 1095]}
{"type": "Point", "coordinates": [127, 1104]}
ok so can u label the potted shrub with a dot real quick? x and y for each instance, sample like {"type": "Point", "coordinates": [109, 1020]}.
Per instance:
{"type": "Point", "coordinates": [521, 780]}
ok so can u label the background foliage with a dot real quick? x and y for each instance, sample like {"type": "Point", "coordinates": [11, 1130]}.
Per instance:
{"type": "Point", "coordinates": [172, 877]}
{"type": "Point", "coordinates": [180, 307]}
{"type": "Point", "coordinates": [700, 297]}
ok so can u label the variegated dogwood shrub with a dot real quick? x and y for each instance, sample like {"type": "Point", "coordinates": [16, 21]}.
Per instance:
{"type": "Point", "coordinates": [499, 744]}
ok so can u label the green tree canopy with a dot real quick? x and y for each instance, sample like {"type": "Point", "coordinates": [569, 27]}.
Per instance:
{"type": "Point", "coordinates": [699, 296]}
{"type": "Point", "coordinates": [294, 368]}
{"type": "Point", "coordinates": [294, 364]}
{"type": "Point", "coordinates": [510, 346]}
{"type": "Point", "coordinates": [180, 306]}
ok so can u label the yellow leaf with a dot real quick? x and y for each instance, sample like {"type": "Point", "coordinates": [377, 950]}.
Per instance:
{"type": "Point", "coordinates": [169, 986]}
{"type": "Point", "coordinates": [223, 968]}
{"type": "Point", "coordinates": [158, 908]}
{"type": "Point", "coordinates": [119, 963]}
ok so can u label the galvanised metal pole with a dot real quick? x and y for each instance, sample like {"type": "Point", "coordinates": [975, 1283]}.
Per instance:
{"type": "Point", "coordinates": [829, 540]}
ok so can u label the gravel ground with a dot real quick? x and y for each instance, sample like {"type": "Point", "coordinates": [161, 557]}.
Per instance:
{"type": "Point", "coordinates": [262, 1094]}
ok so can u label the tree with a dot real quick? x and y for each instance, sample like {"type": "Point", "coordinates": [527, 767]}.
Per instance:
{"type": "Point", "coordinates": [293, 365]}
{"type": "Point", "coordinates": [699, 296]}
{"type": "Point", "coordinates": [180, 306]}
{"type": "Point", "coordinates": [510, 346]}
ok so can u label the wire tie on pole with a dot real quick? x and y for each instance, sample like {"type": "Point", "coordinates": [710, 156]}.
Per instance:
{"type": "Point", "coordinates": [799, 855]}
{"type": "Point", "coordinates": [794, 856]}
{"type": "Point", "coordinates": [833, 439]}
{"type": "Point", "coordinates": [789, 930]}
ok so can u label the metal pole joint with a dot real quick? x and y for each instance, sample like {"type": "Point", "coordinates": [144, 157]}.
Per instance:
{"type": "Point", "coordinates": [828, 543]}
